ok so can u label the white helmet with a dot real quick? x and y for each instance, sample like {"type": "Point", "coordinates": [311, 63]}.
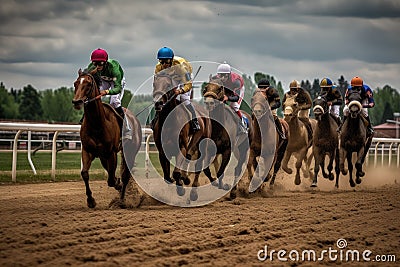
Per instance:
{"type": "Point", "coordinates": [224, 68]}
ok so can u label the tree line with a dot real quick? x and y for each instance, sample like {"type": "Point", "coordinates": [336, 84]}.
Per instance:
{"type": "Point", "coordinates": [54, 105]}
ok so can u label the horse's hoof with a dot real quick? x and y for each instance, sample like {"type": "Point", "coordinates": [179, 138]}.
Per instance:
{"type": "Point", "coordinates": [169, 180]}
{"type": "Point", "coordinates": [232, 195]}
{"type": "Point", "coordinates": [214, 183]}
{"type": "Point", "coordinates": [358, 180]}
{"type": "Point", "coordinates": [352, 184]}
{"type": "Point", "coordinates": [186, 180]}
{"type": "Point", "coordinates": [314, 184]}
{"type": "Point", "coordinates": [344, 172]}
{"type": "Point", "coordinates": [193, 194]}
{"type": "Point", "coordinates": [287, 170]}
{"type": "Point", "coordinates": [226, 187]}
{"type": "Point", "coordinates": [180, 190]}
{"type": "Point", "coordinates": [91, 203]}
{"type": "Point", "coordinates": [331, 177]}
{"type": "Point", "coordinates": [360, 173]}
{"type": "Point", "coordinates": [297, 181]}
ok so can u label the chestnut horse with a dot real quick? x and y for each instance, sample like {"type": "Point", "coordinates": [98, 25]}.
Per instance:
{"type": "Point", "coordinates": [353, 138]}
{"type": "Point", "coordinates": [263, 138]}
{"type": "Point", "coordinates": [101, 136]}
{"type": "Point", "coordinates": [173, 135]}
{"type": "Point", "coordinates": [300, 143]}
{"type": "Point", "coordinates": [325, 141]}
{"type": "Point", "coordinates": [225, 134]}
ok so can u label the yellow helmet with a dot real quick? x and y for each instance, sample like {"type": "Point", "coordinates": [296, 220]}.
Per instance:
{"type": "Point", "coordinates": [326, 82]}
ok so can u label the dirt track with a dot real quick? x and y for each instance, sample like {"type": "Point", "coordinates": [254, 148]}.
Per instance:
{"type": "Point", "coordinates": [50, 225]}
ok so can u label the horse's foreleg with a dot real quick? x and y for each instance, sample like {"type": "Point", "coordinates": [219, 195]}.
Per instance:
{"type": "Point", "coordinates": [87, 159]}
{"type": "Point", "coordinates": [317, 163]}
{"type": "Point", "coordinates": [350, 168]}
{"type": "Point", "coordinates": [342, 157]}
{"type": "Point", "coordinates": [285, 162]}
{"type": "Point", "coordinates": [110, 164]}
{"type": "Point", "coordinates": [166, 167]}
{"type": "Point", "coordinates": [330, 165]}
{"type": "Point", "coordinates": [337, 169]}
{"type": "Point", "coordinates": [220, 173]}
{"type": "Point", "coordinates": [299, 161]}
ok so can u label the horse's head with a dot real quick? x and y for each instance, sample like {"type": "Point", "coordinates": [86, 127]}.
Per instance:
{"type": "Point", "coordinates": [259, 103]}
{"type": "Point", "coordinates": [354, 105]}
{"type": "Point", "coordinates": [320, 106]}
{"type": "Point", "coordinates": [85, 88]}
{"type": "Point", "coordinates": [290, 108]}
{"type": "Point", "coordinates": [213, 93]}
{"type": "Point", "coordinates": [163, 85]}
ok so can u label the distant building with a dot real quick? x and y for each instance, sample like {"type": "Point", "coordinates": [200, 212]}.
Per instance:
{"type": "Point", "coordinates": [390, 129]}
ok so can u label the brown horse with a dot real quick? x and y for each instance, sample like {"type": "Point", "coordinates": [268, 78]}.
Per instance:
{"type": "Point", "coordinates": [225, 134]}
{"type": "Point", "coordinates": [325, 141]}
{"type": "Point", "coordinates": [353, 138]}
{"type": "Point", "coordinates": [262, 141]}
{"type": "Point", "coordinates": [101, 136]}
{"type": "Point", "coordinates": [300, 143]}
{"type": "Point", "coordinates": [173, 135]}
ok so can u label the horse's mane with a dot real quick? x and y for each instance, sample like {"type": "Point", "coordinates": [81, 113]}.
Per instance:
{"type": "Point", "coordinates": [96, 76]}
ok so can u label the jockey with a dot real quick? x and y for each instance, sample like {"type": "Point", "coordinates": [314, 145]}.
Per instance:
{"type": "Point", "coordinates": [303, 101]}
{"type": "Point", "coordinates": [367, 101]}
{"type": "Point", "coordinates": [167, 59]}
{"type": "Point", "coordinates": [235, 84]}
{"type": "Point", "coordinates": [333, 97]}
{"type": "Point", "coordinates": [301, 97]}
{"type": "Point", "coordinates": [112, 78]}
{"type": "Point", "coordinates": [274, 102]}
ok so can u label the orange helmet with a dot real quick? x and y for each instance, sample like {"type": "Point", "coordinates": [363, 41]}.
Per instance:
{"type": "Point", "coordinates": [356, 81]}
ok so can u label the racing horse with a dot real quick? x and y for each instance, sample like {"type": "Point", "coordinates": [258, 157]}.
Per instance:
{"type": "Point", "coordinates": [301, 140]}
{"type": "Point", "coordinates": [261, 141]}
{"type": "Point", "coordinates": [101, 136]}
{"type": "Point", "coordinates": [225, 134]}
{"type": "Point", "coordinates": [173, 135]}
{"type": "Point", "coordinates": [353, 138]}
{"type": "Point", "coordinates": [325, 141]}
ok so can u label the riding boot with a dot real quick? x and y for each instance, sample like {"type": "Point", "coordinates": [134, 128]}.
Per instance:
{"type": "Point", "coordinates": [340, 126]}
{"type": "Point", "coordinates": [194, 122]}
{"type": "Point", "coordinates": [120, 111]}
{"type": "Point", "coordinates": [242, 127]}
{"type": "Point", "coordinates": [279, 129]}
{"type": "Point", "coordinates": [370, 130]}
{"type": "Point", "coordinates": [153, 121]}
{"type": "Point", "coordinates": [81, 120]}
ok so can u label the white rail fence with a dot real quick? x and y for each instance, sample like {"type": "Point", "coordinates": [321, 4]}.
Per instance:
{"type": "Point", "coordinates": [56, 128]}
{"type": "Point", "coordinates": [382, 148]}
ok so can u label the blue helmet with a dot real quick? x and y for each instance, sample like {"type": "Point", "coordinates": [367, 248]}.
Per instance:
{"type": "Point", "coordinates": [165, 53]}
{"type": "Point", "coordinates": [326, 82]}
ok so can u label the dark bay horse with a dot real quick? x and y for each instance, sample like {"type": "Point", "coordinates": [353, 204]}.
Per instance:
{"type": "Point", "coordinates": [300, 143]}
{"type": "Point", "coordinates": [101, 136]}
{"type": "Point", "coordinates": [265, 137]}
{"type": "Point", "coordinates": [353, 138]}
{"type": "Point", "coordinates": [173, 135]}
{"type": "Point", "coordinates": [225, 134]}
{"type": "Point", "coordinates": [325, 141]}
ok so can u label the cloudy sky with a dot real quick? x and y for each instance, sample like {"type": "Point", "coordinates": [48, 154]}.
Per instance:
{"type": "Point", "coordinates": [43, 43]}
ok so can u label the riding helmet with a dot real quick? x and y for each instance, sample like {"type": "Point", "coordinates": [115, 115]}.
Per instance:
{"type": "Point", "coordinates": [356, 81]}
{"type": "Point", "coordinates": [326, 82]}
{"type": "Point", "coordinates": [224, 68]}
{"type": "Point", "coordinates": [165, 53]}
{"type": "Point", "coordinates": [263, 83]}
{"type": "Point", "coordinates": [99, 55]}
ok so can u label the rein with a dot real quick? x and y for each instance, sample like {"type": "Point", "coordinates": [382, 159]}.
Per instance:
{"type": "Point", "coordinates": [87, 101]}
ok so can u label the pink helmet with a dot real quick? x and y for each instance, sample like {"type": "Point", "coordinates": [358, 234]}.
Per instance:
{"type": "Point", "coordinates": [99, 55]}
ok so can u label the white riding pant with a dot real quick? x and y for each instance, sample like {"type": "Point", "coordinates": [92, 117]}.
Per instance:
{"type": "Point", "coordinates": [115, 100]}
{"type": "Point", "coordinates": [184, 98]}
{"type": "Point", "coordinates": [364, 110]}
{"type": "Point", "coordinates": [335, 110]}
